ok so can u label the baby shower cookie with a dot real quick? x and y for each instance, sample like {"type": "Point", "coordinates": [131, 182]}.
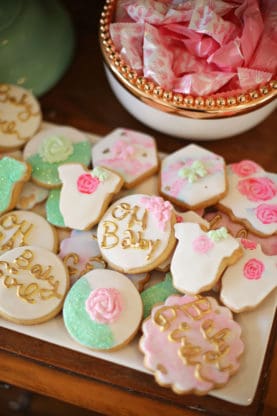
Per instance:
{"type": "Point", "coordinates": [52, 147]}
{"type": "Point", "coordinates": [31, 195]}
{"type": "Point", "coordinates": [136, 233]}
{"type": "Point", "coordinates": [220, 219]}
{"type": "Point", "coordinates": [25, 228]}
{"type": "Point", "coordinates": [201, 257]}
{"type": "Point", "coordinates": [20, 116]}
{"type": "Point", "coordinates": [191, 344]}
{"type": "Point", "coordinates": [247, 283]}
{"type": "Point", "coordinates": [33, 284]}
{"type": "Point", "coordinates": [85, 194]}
{"type": "Point", "coordinates": [193, 177]}
{"type": "Point", "coordinates": [80, 253]}
{"type": "Point", "coordinates": [252, 197]}
{"type": "Point", "coordinates": [131, 154]}
{"type": "Point", "coordinates": [103, 310]}
{"type": "Point", "coordinates": [13, 174]}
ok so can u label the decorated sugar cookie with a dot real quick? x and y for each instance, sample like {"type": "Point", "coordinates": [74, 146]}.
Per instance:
{"type": "Point", "coordinates": [103, 310]}
{"type": "Point", "coordinates": [131, 154]}
{"type": "Point", "coordinates": [252, 197]}
{"type": "Point", "coordinates": [191, 344]}
{"type": "Point", "coordinates": [85, 194]}
{"type": "Point", "coordinates": [33, 284]}
{"type": "Point", "coordinates": [136, 233]}
{"type": "Point", "coordinates": [246, 284]}
{"type": "Point", "coordinates": [220, 219]}
{"type": "Point", "coordinates": [201, 257]}
{"type": "Point", "coordinates": [13, 174]}
{"type": "Point", "coordinates": [80, 253]}
{"type": "Point", "coordinates": [31, 195]}
{"type": "Point", "coordinates": [25, 228]}
{"type": "Point", "coordinates": [52, 207]}
{"type": "Point", "coordinates": [52, 147]}
{"type": "Point", "coordinates": [20, 116]}
{"type": "Point", "coordinates": [193, 177]}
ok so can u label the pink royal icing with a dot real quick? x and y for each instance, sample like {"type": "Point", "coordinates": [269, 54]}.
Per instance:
{"type": "Point", "coordinates": [104, 305]}
{"type": "Point", "coordinates": [248, 244]}
{"type": "Point", "coordinates": [245, 168]}
{"type": "Point", "coordinates": [253, 269]}
{"type": "Point", "coordinates": [123, 150]}
{"type": "Point", "coordinates": [266, 213]}
{"type": "Point", "coordinates": [87, 184]}
{"type": "Point", "coordinates": [202, 244]}
{"type": "Point", "coordinates": [257, 189]}
{"type": "Point", "coordinates": [160, 208]}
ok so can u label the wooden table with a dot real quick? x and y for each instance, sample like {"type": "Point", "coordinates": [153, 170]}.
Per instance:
{"type": "Point", "coordinates": [84, 100]}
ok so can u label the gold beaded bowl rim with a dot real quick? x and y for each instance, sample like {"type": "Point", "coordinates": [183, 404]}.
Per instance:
{"type": "Point", "coordinates": [213, 106]}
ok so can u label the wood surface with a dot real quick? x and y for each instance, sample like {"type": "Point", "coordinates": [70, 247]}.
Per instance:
{"type": "Point", "coordinates": [83, 99]}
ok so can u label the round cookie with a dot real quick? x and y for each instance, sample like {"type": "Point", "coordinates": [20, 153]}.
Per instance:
{"type": "Point", "coordinates": [25, 228]}
{"type": "Point", "coordinates": [33, 284]}
{"type": "Point", "coordinates": [136, 233]}
{"type": "Point", "coordinates": [103, 310]}
{"type": "Point", "coordinates": [20, 116]}
{"type": "Point", "coordinates": [191, 344]}
{"type": "Point", "coordinates": [52, 147]}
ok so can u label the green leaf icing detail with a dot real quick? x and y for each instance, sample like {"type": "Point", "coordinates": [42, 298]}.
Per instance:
{"type": "Point", "coordinates": [78, 322]}
{"type": "Point", "coordinates": [218, 235]}
{"type": "Point", "coordinates": [52, 207]}
{"type": "Point", "coordinates": [157, 293]}
{"type": "Point", "coordinates": [11, 171]}
{"type": "Point", "coordinates": [47, 173]}
{"type": "Point", "coordinates": [100, 173]}
{"type": "Point", "coordinates": [194, 172]}
{"type": "Point", "coordinates": [55, 149]}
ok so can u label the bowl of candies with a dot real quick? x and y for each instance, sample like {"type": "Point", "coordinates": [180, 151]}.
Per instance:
{"type": "Point", "coordinates": [200, 70]}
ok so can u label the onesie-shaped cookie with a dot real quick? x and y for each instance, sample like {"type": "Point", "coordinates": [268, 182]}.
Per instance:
{"type": "Point", "coordinates": [131, 154]}
{"type": "Point", "coordinates": [136, 233]}
{"type": "Point", "coordinates": [245, 284]}
{"type": "Point", "coordinates": [13, 174]}
{"type": "Point", "coordinates": [52, 147]}
{"type": "Point", "coordinates": [252, 197]}
{"type": "Point", "coordinates": [201, 257]}
{"type": "Point", "coordinates": [20, 116]}
{"type": "Point", "coordinates": [193, 177]}
{"type": "Point", "coordinates": [85, 195]}
{"type": "Point", "coordinates": [191, 344]}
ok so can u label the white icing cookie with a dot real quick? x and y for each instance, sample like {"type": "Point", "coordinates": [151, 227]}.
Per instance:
{"type": "Point", "coordinates": [193, 177]}
{"type": "Point", "coordinates": [20, 116]}
{"type": "Point", "coordinates": [136, 233]}
{"type": "Point", "coordinates": [31, 195]}
{"type": "Point", "coordinates": [252, 197]}
{"type": "Point", "coordinates": [25, 228]}
{"type": "Point", "coordinates": [131, 154]}
{"type": "Point", "coordinates": [33, 284]}
{"type": "Point", "coordinates": [200, 258]}
{"type": "Point", "coordinates": [103, 310]}
{"type": "Point", "coordinates": [85, 195]}
{"type": "Point", "coordinates": [246, 284]}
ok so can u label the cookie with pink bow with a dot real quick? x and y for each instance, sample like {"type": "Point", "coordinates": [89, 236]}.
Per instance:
{"type": "Point", "coordinates": [131, 154]}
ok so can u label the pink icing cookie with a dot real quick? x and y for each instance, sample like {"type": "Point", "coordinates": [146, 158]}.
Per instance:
{"type": "Point", "coordinates": [201, 257]}
{"type": "Point", "coordinates": [220, 219]}
{"type": "Point", "coordinates": [131, 154]}
{"type": "Point", "coordinates": [85, 195]}
{"type": "Point", "coordinates": [191, 344]}
{"type": "Point", "coordinates": [245, 284]}
{"type": "Point", "coordinates": [252, 197]}
{"type": "Point", "coordinates": [193, 177]}
{"type": "Point", "coordinates": [136, 233]}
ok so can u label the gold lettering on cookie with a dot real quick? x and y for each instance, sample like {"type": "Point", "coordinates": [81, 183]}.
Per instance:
{"type": "Point", "coordinates": [72, 259]}
{"type": "Point", "coordinates": [14, 231]}
{"type": "Point", "coordinates": [164, 316]}
{"type": "Point", "coordinates": [124, 209]}
{"type": "Point", "coordinates": [197, 308]}
{"type": "Point", "coordinates": [110, 238]}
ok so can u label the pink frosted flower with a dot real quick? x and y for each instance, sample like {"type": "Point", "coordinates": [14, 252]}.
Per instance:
{"type": "Point", "coordinates": [257, 189]}
{"type": "Point", "coordinates": [87, 184]}
{"type": "Point", "coordinates": [104, 305]}
{"type": "Point", "coordinates": [266, 213]}
{"type": "Point", "coordinates": [248, 244]}
{"type": "Point", "coordinates": [160, 208]}
{"type": "Point", "coordinates": [253, 269]}
{"type": "Point", "coordinates": [202, 244]}
{"type": "Point", "coordinates": [245, 168]}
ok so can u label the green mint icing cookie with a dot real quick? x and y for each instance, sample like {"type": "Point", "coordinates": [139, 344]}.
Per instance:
{"type": "Point", "coordinates": [46, 172]}
{"type": "Point", "coordinates": [157, 293]}
{"type": "Point", "coordinates": [78, 322]}
{"type": "Point", "coordinates": [52, 207]}
{"type": "Point", "coordinates": [11, 171]}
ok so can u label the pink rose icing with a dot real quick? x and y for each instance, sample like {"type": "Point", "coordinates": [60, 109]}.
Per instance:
{"type": "Point", "coordinates": [248, 244]}
{"type": "Point", "coordinates": [202, 244]}
{"type": "Point", "coordinates": [161, 209]}
{"type": "Point", "coordinates": [87, 184]}
{"type": "Point", "coordinates": [104, 305]}
{"type": "Point", "coordinates": [253, 269]}
{"type": "Point", "coordinates": [191, 343]}
{"type": "Point", "coordinates": [257, 189]}
{"type": "Point", "coordinates": [245, 168]}
{"type": "Point", "coordinates": [267, 213]}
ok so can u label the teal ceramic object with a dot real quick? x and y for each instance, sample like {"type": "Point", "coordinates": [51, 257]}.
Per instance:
{"type": "Point", "coordinates": [36, 43]}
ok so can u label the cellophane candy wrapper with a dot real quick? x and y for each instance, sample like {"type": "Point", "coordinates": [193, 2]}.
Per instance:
{"type": "Point", "coordinates": [199, 47]}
